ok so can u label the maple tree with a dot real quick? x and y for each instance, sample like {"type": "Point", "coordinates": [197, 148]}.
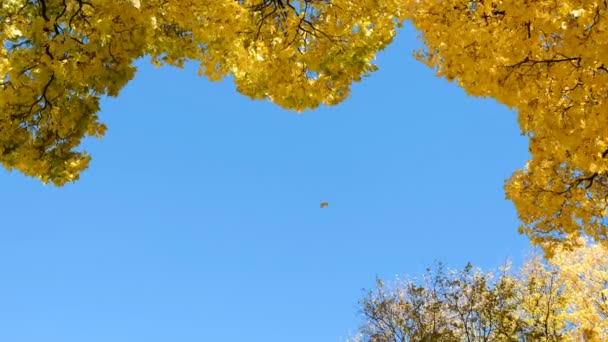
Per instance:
{"type": "Point", "coordinates": [546, 60]}
{"type": "Point", "coordinates": [59, 57]}
{"type": "Point", "coordinates": [542, 58]}
{"type": "Point", "coordinates": [563, 299]}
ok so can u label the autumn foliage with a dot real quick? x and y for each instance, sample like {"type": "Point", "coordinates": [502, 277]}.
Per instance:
{"type": "Point", "coordinates": [561, 300]}
{"type": "Point", "coordinates": [59, 57]}
{"type": "Point", "coordinates": [546, 60]}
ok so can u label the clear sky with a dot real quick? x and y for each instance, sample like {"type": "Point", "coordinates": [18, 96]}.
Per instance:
{"type": "Point", "coordinates": [199, 217]}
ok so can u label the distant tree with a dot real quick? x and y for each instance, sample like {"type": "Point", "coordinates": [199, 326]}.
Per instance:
{"type": "Point", "coordinates": [547, 60]}
{"type": "Point", "coordinates": [564, 299]}
{"type": "Point", "coordinates": [58, 57]}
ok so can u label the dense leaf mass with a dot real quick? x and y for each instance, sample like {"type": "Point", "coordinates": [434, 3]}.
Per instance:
{"type": "Point", "coordinates": [59, 57]}
{"type": "Point", "coordinates": [547, 60]}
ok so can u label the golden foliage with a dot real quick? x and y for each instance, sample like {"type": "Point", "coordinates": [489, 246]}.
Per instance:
{"type": "Point", "coordinates": [58, 57]}
{"type": "Point", "coordinates": [546, 59]}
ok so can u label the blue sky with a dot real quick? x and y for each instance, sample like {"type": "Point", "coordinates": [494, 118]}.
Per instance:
{"type": "Point", "coordinates": [199, 218]}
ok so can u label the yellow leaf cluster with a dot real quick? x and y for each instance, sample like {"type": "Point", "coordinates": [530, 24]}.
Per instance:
{"type": "Point", "coordinates": [546, 59]}
{"type": "Point", "coordinates": [59, 57]}
{"type": "Point", "coordinates": [583, 276]}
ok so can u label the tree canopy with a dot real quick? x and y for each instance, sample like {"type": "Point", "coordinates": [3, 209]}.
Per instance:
{"type": "Point", "coordinates": [59, 57]}
{"type": "Point", "coordinates": [561, 300]}
{"type": "Point", "coordinates": [545, 59]}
